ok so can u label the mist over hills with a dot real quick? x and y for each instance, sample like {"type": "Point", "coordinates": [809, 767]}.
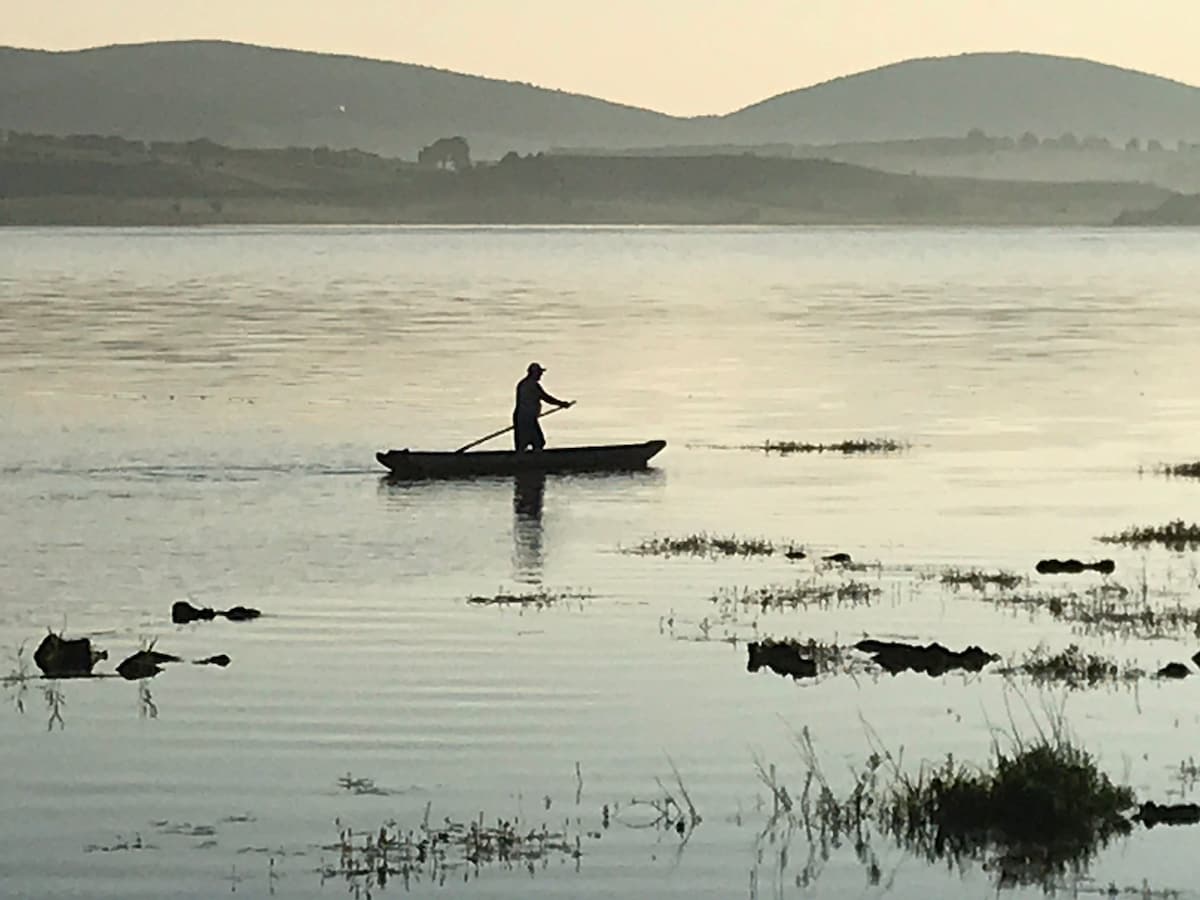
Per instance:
{"type": "Point", "coordinates": [250, 96]}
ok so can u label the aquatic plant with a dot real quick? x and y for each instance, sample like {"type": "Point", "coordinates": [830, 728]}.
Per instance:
{"type": "Point", "coordinates": [980, 580]}
{"type": "Point", "coordinates": [1111, 609]}
{"type": "Point", "coordinates": [539, 598]}
{"type": "Point", "coordinates": [862, 445]}
{"type": "Point", "coordinates": [1175, 535]}
{"type": "Point", "coordinates": [1073, 668]}
{"type": "Point", "coordinates": [1181, 470]}
{"type": "Point", "coordinates": [1038, 809]}
{"type": "Point", "coordinates": [800, 594]}
{"type": "Point", "coordinates": [704, 544]}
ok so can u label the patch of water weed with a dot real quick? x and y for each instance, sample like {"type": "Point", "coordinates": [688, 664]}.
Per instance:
{"type": "Point", "coordinates": [360, 786]}
{"type": "Point", "coordinates": [859, 445]}
{"type": "Point", "coordinates": [1180, 470]}
{"type": "Point", "coordinates": [1073, 668]}
{"type": "Point", "coordinates": [537, 599]}
{"type": "Point", "coordinates": [1176, 535]}
{"type": "Point", "coordinates": [801, 594]}
{"type": "Point", "coordinates": [1111, 610]}
{"type": "Point", "coordinates": [704, 544]}
{"type": "Point", "coordinates": [1040, 809]}
{"type": "Point", "coordinates": [980, 580]}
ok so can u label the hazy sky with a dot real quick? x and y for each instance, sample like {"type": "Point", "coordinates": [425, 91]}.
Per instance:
{"type": "Point", "coordinates": [678, 56]}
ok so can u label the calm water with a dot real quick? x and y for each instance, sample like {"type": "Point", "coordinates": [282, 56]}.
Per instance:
{"type": "Point", "coordinates": [193, 414]}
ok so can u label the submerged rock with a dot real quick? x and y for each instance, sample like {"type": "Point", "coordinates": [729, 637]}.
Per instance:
{"type": "Point", "coordinates": [144, 664]}
{"type": "Point", "coordinates": [59, 658]}
{"type": "Point", "coordinates": [1074, 566]}
{"type": "Point", "coordinates": [1152, 814]}
{"type": "Point", "coordinates": [932, 659]}
{"type": "Point", "coordinates": [781, 657]}
{"type": "Point", "coordinates": [183, 612]}
{"type": "Point", "coordinates": [1173, 670]}
{"type": "Point", "coordinates": [841, 559]}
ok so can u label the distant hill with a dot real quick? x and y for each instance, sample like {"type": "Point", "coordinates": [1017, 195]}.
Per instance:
{"type": "Point", "coordinates": [250, 96]}
{"type": "Point", "coordinates": [1000, 93]}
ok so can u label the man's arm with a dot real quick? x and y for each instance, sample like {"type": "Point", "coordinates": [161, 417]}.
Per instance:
{"type": "Point", "coordinates": [544, 395]}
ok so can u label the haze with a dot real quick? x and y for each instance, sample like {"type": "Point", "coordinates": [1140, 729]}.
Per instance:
{"type": "Point", "coordinates": [685, 57]}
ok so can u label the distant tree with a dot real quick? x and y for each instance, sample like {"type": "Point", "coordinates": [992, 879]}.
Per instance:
{"type": "Point", "coordinates": [1154, 145]}
{"type": "Point", "coordinates": [1028, 141]}
{"type": "Point", "coordinates": [977, 139]}
{"type": "Point", "coordinates": [446, 152]}
{"type": "Point", "coordinates": [1133, 145]}
{"type": "Point", "coordinates": [1068, 141]}
{"type": "Point", "coordinates": [1092, 142]}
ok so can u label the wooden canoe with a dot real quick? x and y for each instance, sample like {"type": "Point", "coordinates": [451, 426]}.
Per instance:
{"type": "Point", "coordinates": [608, 457]}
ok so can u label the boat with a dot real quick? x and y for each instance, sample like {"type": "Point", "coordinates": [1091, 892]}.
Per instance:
{"type": "Point", "coordinates": [450, 464]}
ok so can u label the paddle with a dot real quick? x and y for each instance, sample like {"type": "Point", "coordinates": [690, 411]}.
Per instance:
{"type": "Point", "coordinates": [488, 437]}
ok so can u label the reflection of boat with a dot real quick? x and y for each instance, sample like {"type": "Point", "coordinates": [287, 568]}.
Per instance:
{"type": "Point", "coordinates": [609, 457]}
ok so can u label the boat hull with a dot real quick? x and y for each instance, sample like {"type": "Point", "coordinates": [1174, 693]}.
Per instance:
{"type": "Point", "coordinates": [606, 458]}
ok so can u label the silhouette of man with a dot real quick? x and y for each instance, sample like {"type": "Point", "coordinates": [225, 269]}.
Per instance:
{"type": "Point", "coordinates": [530, 394]}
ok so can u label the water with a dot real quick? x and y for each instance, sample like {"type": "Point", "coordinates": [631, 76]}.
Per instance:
{"type": "Point", "coordinates": [193, 414]}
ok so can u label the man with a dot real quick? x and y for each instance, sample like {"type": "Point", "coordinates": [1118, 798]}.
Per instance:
{"type": "Point", "coordinates": [530, 394]}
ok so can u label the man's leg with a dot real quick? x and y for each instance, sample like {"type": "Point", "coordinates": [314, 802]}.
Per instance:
{"type": "Point", "coordinates": [536, 437]}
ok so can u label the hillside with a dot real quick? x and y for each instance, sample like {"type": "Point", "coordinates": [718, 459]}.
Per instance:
{"type": "Point", "coordinates": [251, 96]}
{"type": "Point", "coordinates": [111, 181]}
{"type": "Point", "coordinates": [1000, 93]}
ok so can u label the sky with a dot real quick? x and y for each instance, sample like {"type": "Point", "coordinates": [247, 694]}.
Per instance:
{"type": "Point", "coordinates": [685, 57]}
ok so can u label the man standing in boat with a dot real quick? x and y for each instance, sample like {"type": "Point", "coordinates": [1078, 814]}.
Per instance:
{"type": "Point", "coordinates": [527, 433]}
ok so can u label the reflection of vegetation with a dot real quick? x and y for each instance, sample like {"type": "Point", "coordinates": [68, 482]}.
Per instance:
{"type": "Point", "coordinates": [1182, 470]}
{"type": "Point", "coordinates": [1112, 609]}
{"type": "Point", "coordinates": [1040, 809]}
{"type": "Point", "coordinates": [800, 594]}
{"type": "Point", "coordinates": [1177, 535]}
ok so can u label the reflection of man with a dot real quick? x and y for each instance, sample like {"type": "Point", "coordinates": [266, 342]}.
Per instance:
{"type": "Point", "coordinates": [530, 394]}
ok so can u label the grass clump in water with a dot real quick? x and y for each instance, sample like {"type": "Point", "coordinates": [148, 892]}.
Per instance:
{"type": "Point", "coordinates": [1177, 535]}
{"type": "Point", "coordinates": [1181, 470]}
{"type": "Point", "coordinates": [1073, 668]}
{"type": "Point", "coordinates": [704, 544]}
{"type": "Point", "coordinates": [980, 580]}
{"type": "Point", "coordinates": [538, 599]}
{"type": "Point", "coordinates": [862, 445]}
{"type": "Point", "coordinates": [1044, 807]}
{"type": "Point", "coordinates": [802, 594]}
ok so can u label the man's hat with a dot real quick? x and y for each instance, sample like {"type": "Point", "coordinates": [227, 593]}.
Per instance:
{"type": "Point", "coordinates": [534, 367]}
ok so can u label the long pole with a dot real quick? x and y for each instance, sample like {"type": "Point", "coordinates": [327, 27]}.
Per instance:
{"type": "Point", "coordinates": [494, 434]}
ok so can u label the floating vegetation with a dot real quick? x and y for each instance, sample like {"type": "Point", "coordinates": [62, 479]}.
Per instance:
{"type": "Point", "coordinates": [865, 445]}
{"type": "Point", "coordinates": [1074, 566]}
{"type": "Point", "coordinates": [795, 658]}
{"type": "Point", "coordinates": [980, 580]}
{"type": "Point", "coordinates": [1181, 470]}
{"type": "Point", "coordinates": [538, 599]}
{"type": "Point", "coordinates": [1177, 535]}
{"type": "Point", "coordinates": [360, 786]}
{"type": "Point", "coordinates": [704, 544]}
{"type": "Point", "coordinates": [1073, 668]}
{"type": "Point", "coordinates": [801, 594]}
{"type": "Point", "coordinates": [1038, 810]}
{"type": "Point", "coordinates": [932, 659]}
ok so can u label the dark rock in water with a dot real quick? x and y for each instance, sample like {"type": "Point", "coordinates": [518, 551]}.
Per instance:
{"type": "Point", "coordinates": [1074, 566]}
{"type": "Point", "coordinates": [144, 664]}
{"type": "Point", "coordinates": [839, 558]}
{"type": "Point", "coordinates": [241, 614]}
{"type": "Point", "coordinates": [219, 660]}
{"type": "Point", "coordinates": [183, 612]}
{"type": "Point", "coordinates": [1152, 814]}
{"type": "Point", "coordinates": [795, 554]}
{"type": "Point", "coordinates": [932, 659]}
{"type": "Point", "coordinates": [59, 658]}
{"type": "Point", "coordinates": [1196, 658]}
{"type": "Point", "coordinates": [1173, 670]}
{"type": "Point", "coordinates": [781, 657]}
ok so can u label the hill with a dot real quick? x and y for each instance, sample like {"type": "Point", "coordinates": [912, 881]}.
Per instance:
{"type": "Point", "coordinates": [250, 96]}
{"type": "Point", "coordinates": [1000, 93]}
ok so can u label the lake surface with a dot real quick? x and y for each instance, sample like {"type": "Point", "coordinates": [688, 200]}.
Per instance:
{"type": "Point", "coordinates": [193, 414]}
